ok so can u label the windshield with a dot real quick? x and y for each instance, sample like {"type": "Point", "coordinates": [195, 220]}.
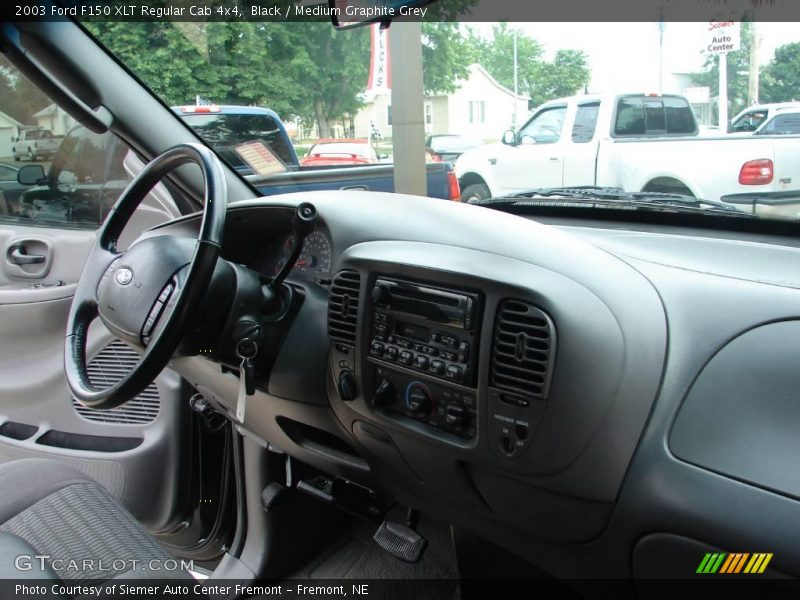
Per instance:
{"type": "Point", "coordinates": [507, 107]}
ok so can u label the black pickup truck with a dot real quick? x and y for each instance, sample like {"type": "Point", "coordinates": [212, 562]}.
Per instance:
{"type": "Point", "coordinates": [87, 173]}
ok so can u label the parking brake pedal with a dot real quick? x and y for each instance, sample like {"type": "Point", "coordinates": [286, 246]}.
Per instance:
{"type": "Point", "coordinates": [401, 540]}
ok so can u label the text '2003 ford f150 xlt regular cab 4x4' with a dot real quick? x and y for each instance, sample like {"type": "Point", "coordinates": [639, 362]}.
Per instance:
{"type": "Point", "coordinates": [636, 142]}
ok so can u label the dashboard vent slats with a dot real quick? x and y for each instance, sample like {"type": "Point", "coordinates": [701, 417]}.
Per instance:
{"type": "Point", "coordinates": [522, 349]}
{"type": "Point", "coordinates": [343, 306]}
{"type": "Point", "coordinates": [107, 368]}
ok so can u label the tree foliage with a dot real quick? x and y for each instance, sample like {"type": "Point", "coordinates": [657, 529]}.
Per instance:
{"type": "Point", "coordinates": [541, 79]}
{"type": "Point", "coordinates": [306, 70]}
{"type": "Point", "coordinates": [21, 99]}
{"type": "Point", "coordinates": [780, 80]}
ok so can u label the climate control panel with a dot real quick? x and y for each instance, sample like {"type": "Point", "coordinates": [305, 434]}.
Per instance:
{"type": "Point", "coordinates": [425, 400]}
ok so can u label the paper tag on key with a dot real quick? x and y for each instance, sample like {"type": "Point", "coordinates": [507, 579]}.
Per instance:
{"type": "Point", "coordinates": [241, 400]}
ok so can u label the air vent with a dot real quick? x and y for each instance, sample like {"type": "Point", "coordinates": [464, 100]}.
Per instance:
{"type": "Point", "coordinates": [343, 306]}
{"type": "Point", "coordinates": [109, 367]}
{"type": "Point", "coordinates": [523, 349]}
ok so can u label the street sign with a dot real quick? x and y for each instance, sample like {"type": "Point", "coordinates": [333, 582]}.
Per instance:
{"type": "Point", "coordinates": [723, 37]}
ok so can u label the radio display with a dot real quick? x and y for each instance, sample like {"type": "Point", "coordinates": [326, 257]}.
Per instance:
{"type": "Point", "coordinates": [414, 332]}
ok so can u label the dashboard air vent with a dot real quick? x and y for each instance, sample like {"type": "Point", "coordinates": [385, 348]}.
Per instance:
{"type": "Point", "coordinates": [523, 349]}
{"type": "Point", "coordinates": [343, 306]}
{"type": "Point", "coordinates": [107, 368]}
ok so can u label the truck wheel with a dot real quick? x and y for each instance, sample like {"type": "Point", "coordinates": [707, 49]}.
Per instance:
{"type": "Point", "coordinates": [476, 191]}
{"type": "Point", "coordinates": [16, 156]}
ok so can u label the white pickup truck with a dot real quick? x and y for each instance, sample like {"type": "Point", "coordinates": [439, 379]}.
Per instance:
{"type": "Point", "coordinates": [636, 142]}
{"type": "Point", "coordinates": [36, 143]}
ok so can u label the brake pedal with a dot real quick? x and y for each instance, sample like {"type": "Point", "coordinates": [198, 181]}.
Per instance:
{"type": "Point", "coordinates": [401, 541]}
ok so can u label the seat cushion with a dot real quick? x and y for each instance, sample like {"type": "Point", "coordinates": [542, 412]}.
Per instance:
{"type": "Point", "coordinates": [74, 522]}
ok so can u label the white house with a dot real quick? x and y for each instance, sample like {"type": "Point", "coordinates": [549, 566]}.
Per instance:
{"type": "Point", "coordinates": [9, 129]}
{"type": "Point", "coordinates": [52, 117]}
{"type": "Point", "coordinates": [479, 107]}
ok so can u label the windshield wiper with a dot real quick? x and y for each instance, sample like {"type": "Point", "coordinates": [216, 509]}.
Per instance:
{"type": "Point", "coordinates": [605, 197]}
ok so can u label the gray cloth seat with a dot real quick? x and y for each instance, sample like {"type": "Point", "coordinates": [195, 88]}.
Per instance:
{"type": "Point", "coordinates": [83, 533]}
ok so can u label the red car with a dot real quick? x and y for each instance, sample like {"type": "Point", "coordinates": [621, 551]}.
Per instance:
{"type": "Point", "coordinates": [326, 153]}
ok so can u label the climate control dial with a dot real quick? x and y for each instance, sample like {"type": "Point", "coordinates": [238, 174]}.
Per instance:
{"type": "Point", "coordinates": [418, 398]}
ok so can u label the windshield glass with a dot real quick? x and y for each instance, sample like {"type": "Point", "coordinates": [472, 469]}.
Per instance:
{"type": "Point", "coordinates": [503, 108]}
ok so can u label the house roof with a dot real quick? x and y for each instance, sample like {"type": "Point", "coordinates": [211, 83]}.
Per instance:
{"type": "Point", "coordinates": [51, 109]}
{"type": "Point", "coordinates": [477, 68]}
{"type": "Point", "coordinates": [10, 118]}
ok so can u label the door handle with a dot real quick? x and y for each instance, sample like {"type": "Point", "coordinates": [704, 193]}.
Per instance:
{"type": "Point", "coordinates": [18, 256]}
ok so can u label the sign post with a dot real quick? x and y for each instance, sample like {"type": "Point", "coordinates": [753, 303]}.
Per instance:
{"type": "Point", "coordinates": [723, 37]}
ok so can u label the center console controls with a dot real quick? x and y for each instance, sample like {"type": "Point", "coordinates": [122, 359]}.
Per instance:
{"type": "Point", "coordinates": [431, 331]}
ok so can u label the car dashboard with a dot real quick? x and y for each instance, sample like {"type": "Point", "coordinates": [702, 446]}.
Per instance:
{"type": "Point", "coordinates": [546, 386]}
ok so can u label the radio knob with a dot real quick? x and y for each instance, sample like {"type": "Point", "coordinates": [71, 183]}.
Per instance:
{"type": "Point", "coordinates": [381, 294]}
{"type": "Point", "coordinates": [347, 385]}
{"type": "Point", "coordinates": [418, 400]}
{"type": "Point", "coordinates": [384, 393]}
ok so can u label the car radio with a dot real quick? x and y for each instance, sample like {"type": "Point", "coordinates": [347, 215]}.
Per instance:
{"type": "Point", "coordinates": [431, 331]}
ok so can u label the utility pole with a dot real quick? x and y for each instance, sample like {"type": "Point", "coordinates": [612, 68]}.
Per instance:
{"type": "Point", "coordinates": [753, 82]}
{"type": "Point", "coordinates": [408, 128]}
{"type": "Point", "coordinates": [723, 92]}
{"type": "Point", "coordinates": [516, 80]}
{"type": "Point", "coordinates": [661, 27]}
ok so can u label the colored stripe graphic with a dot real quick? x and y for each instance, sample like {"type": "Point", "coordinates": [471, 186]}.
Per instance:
{"type": "Point", "coordinates": [734, 563]}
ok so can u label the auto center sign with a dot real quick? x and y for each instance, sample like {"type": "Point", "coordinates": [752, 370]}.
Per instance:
{"type": "Point", "coordinates": [723, 37]}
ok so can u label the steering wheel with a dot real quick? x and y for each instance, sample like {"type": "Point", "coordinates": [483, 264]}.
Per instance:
{"type": "Point", "coordinates": [148, 295]}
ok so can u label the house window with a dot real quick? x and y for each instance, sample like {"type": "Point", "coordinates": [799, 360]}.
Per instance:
{"type": "Point", "coordinates": [477, 111]}
{"type": "Point", "coordinates": [428, 113]}
{"type": "Point", "coordinates": [389, 115]}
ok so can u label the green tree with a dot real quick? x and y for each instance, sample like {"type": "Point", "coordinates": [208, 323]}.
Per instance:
{"type": "Point", "coordinates": [20, 98]}
{"type": "Point", "coordinates": [541, 79]}
{"type": "Point", "coordinates": [738, 73]}
{"type": "Point", "coordinates": [780, 79]}
{"type": "Point", "coordinates": [446, 54]}
{"type": "Point", "coordinates": [567, 73]}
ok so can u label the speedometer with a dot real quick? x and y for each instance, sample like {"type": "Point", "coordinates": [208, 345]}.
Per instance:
{"type": "Point", "coordinates": [314, 262]}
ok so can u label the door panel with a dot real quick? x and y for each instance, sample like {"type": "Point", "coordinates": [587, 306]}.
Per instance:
{"type": "Point", "coordinates": [140, 451]}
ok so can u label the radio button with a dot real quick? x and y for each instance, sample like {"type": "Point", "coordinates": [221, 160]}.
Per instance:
{"type": "Point", "coordinates": [437, 367]}
{"type": "Point", "coordinates": [419, 347]}
{"type": "Point", "coordinates": [449, 340]}
{"type": "Point", "coordinates": [454, 372]}
{"type": "Point", "coordinates": [421, 362]}
{"type": "Point", "coordinates": [451, 356]}
{"type": "Point", "coordinates": [463, 352]}
{"type": "Point", "coordinates": [406, 357]}
{"type": "Point", "coordinates": [376, 349]}
{"type": "Point", "coordinates": [391, 353]}
{"type": "Point", "coordinates": [404, 343]}
{"type": "Point", "coordinates": [430, 351]}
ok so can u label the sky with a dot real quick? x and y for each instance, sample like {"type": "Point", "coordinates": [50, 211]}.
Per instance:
{"type": "Point", "coordinates": [624, 56]}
